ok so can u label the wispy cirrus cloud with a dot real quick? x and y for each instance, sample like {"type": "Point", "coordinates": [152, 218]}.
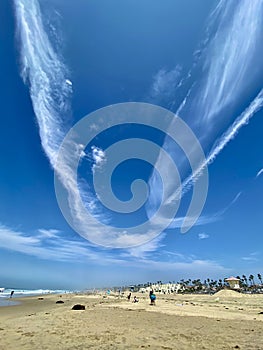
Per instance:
{"type": "Point", "coordinates": [226, 64]}
{"type": "Point", "coordinates": [43, 69]}
{"type": "Point", "coordinates": [45, 244]}
{"type": "Point", "coordinates": [229, 59]}
{"type": "Point", "coordinates": [203, 235]}
{"type": "Point", "coordinates": [51, 233]}
{"type": "Point", "coordinates": [194, 268]}
{"type": "Point", "coordinates": [49, 244]}
{"type": "Point", "coordinates": [145, 250]}
{"type": "Point", "coordinates": [252, 257]}
{"type": "Point", "coordinates": [164, 84]}
{"type": "Point", "coordinates": [50, 90]}
{"type": "Point", "coordinates": [208, 218]}
{"type": "Point", "coordinates": [259, 172]}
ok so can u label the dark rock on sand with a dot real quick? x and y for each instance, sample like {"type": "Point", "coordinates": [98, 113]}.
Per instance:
{"type": "Point", "coordinates": [78, 307]}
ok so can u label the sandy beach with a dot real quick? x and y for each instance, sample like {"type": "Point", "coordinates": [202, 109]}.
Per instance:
{"type": "Point", "coordinates": [226, 320]}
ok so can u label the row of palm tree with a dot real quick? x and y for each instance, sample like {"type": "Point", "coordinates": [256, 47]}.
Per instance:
{"type": "Point", "coordinates": [246, 283]}
{"type": "Point", "coordinates": [250, 280]}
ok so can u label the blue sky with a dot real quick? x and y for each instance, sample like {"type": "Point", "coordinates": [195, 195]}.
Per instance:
{"type": "Point", "coordinates": [77, 57]}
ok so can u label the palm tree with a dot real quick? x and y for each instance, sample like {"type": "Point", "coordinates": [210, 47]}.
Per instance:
{"type": "Point", "coordinates": [245, 279]}
{"type": "Point", "coordinates": [242, 283]}
{"type": "Point", "coordinates": [251, 279]}
{"type": "Point", "coordinates": [182, 281]}
{"type": "Point", "coordinates": [260, 278]}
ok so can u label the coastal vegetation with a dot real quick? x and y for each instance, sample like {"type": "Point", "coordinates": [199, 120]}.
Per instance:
{"type": "Point", "coordinates": [246, 284]}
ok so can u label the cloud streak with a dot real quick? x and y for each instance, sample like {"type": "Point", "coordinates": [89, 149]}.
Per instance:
{"type": "Point", "coordinates": [229, 58]}
{"type": "Point", "coordinates": [44, 71]}
{"type": "Point", "coordinates": [164, 84]}
{"type": "Point", "coordinates": [226, 70]}
{"type": "Point", "coordinates": [49, 244]}
{"type": "Point", "coordinates": [252, 257]}
{"type": "Point", "coordinates": [44, 244]}
{"type": "Point", "coordinates": [47, 76]}
{"type": "Point", "coordinates": [259, 172]}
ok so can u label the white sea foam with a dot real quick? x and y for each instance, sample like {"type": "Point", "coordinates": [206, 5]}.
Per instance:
{"type": "Point", "coordinates": [28, 292]}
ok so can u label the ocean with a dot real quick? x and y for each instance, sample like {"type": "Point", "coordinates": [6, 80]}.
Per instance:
{"type": "Point", "coordinates": [5, 299]}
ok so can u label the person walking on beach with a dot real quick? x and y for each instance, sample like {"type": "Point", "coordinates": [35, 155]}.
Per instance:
{"type": "Point", "coordinates": [12, 293]}
{"type": "Point", "coordinates": [152, 297]}
{"type": "Point", "coordinates": [129, 297]}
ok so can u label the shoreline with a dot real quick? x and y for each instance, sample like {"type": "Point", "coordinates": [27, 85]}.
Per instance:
{"type": "Point", "coordinates": [8, 302]}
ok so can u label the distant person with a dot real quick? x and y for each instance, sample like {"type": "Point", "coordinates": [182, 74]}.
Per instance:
{"type": "Point", "coordinates": [135, 299]}
{"type": "Point", "coordinates": [152, 297]}
{"type": "Point", "coordinates": [129, 297]}
{"type": "Point", "coordinates": [12, 293]}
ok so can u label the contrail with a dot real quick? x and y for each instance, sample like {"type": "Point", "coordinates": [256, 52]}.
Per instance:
{"type": "Point", "coordinates": [230, 134]}
{"type": "Point", "coordinates": [228, 68]}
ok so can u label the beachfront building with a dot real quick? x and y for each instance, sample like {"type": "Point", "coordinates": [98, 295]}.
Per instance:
{"type": "Point", "coordinates": [162, 288]}
{"type": "Point", "coordinates": [233, 282]}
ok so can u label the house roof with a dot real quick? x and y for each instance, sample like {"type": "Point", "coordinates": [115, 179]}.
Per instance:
{"type": "Point", "coordinates": [232, 279]}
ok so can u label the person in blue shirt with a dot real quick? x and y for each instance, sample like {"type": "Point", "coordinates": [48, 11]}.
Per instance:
{"type": "Point", "coordinates": [152, 297]}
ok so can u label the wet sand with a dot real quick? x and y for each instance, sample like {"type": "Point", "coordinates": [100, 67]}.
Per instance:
{"type": "Point", "coordinates": [221, 321]}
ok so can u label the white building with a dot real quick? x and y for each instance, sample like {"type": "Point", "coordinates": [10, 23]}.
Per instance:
{"type": "Point", "coordinates": [233, 282]}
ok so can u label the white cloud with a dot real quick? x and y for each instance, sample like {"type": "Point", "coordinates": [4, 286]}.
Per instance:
{"type": "Point", "coordinates": [249, 258]}
{"type": "Point", "coordinates": [143, 250]}
{"type": "Point", "coordinates": [232, 131]}
{"type": "Point", "coordinates": [196, 268]}
{"type": "Point", "coordinates": [228, 57]}
{"type": "Point", "coordinates": [259, 172]}
{"type": "Point", "coordinates": [202, 220]}
{"type": "Point", "coordinates": [69, 82]}
{"type": "Point", "coordinates": [165, 82]}
{"type": "Point", "coordinates": [48, 233]}
{"type": "Point", "coordinates": [98, 156]}
{"type": "Point", "coordinates": [48, 244]}
{"type": "Point", "coordinates": [203, 235]}
{"type": "Point", "coordinates": [227, 64]}
{"type": "Point", "coordinates": [46, 74]}
{"type": "Point", "coordinates": [206, 219]}
{"type": "Point", "coordinates": [44, 244]}
{"type": "Point", "coordinates": [252, 257]}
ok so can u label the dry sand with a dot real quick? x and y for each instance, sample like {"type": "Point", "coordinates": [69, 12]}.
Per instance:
{"type": "Point", "coordinates": [222, 321]}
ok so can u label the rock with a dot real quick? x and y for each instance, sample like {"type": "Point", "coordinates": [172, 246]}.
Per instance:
{"type": "Point", "coordinates": [60, 302]}
{"type": "Point", "coordinates": [78, 307]}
